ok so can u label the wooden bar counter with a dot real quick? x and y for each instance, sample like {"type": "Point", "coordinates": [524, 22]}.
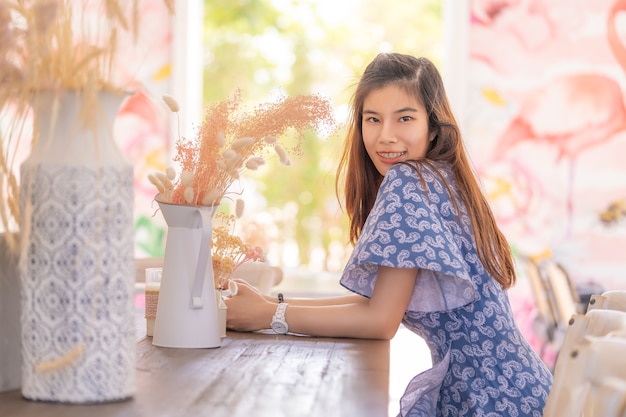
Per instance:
{"type": "Point", "coordinates": [251, 375]}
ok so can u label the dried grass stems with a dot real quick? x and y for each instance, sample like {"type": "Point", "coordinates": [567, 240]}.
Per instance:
{"type": "Point", "coordinates": [232, 139]}
{"type": "Point", "coordinates": [228, 251]}
{"type": "Point", "coordinates": [51, 46]}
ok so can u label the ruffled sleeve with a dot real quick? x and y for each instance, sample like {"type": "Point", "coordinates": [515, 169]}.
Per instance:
{"type": "Point", "coordinates": [412, 226]}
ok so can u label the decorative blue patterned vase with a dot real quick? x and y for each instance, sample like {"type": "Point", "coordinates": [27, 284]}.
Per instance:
{"type": "Point", "coordinates": [77, 263]}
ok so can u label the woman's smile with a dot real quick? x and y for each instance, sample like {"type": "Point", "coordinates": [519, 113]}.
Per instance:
{"type": "Point", "coordinates": [390, 157]}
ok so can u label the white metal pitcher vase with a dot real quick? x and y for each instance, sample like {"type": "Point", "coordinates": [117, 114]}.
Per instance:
{"type": "Point", "coordinates": [187, 314]}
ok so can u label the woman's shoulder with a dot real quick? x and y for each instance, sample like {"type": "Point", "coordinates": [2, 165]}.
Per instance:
{"type": "Point", "coordinates": [424, 167]}
{"type": "Point", "coordinates": [432, 173]}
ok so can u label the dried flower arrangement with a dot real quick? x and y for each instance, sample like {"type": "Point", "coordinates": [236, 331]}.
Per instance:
{"type": "Point", "coordinates": [49, 46]}
{"type": "Point", "coordinates": [232, 139]}
{"type": "Point", "coordinates": [229, 251]}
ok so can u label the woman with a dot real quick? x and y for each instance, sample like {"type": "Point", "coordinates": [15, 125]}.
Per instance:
{"type": "Point", "coordinates": [427, 253]}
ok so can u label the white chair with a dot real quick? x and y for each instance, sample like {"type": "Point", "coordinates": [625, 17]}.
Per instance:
{"type": "Point", "coordinates": [605, 390]}
{"type": "Point", "coordinates": [566, 296]}
{"type": "Point", "coordinates": [591, 362]}
{"type": "Point", "coordinates": [607, 398]}
{"type": "Point", "coordinates": [567, 385]}
{"type": "Point", "coordinates": [545, 321]}
{"type": "Point", "coordinates": [611, 300]}
{"type": "Point", "coordinates": [595, 323]}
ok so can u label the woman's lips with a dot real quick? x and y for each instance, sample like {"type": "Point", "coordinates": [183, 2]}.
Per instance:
{"type": "Point", "coordinates": [390, 157]}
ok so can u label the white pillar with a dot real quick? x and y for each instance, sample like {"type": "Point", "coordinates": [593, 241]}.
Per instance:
{"type": "Point", "coordinates": [187, 66]}
{"type": "Point", "coordinates": [456, 23]}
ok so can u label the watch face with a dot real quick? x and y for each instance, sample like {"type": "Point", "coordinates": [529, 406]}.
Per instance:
{"type": "Point", "coordinates": [279, 327]}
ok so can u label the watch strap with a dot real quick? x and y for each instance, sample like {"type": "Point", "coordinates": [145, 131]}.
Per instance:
{"type": "Point", "coordinates": [279, 323]}
{"type": "Point", "coordinates": [279, 315]}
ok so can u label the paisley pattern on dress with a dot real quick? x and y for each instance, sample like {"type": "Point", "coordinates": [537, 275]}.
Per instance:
{"type": "Point", "coordinates": [482, 364]}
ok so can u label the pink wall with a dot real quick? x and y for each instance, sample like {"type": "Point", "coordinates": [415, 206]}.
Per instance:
{"type": "Point", "coordinates": [546, 126]}
{"type": "Point", "coordinates": [142, 127]}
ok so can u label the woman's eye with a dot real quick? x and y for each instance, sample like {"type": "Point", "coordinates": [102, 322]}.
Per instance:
{"type": "Point", "coordinates": [371, 120]}
{"type": "Point", "coordinates": [406, 118]}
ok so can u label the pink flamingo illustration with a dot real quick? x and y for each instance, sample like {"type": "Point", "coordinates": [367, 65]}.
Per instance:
{"type": "Point", "coordinates": [143, 138]}
{"type": "Point", "coordinates": [613, 37]}
{"type": "Point", "coordinates": [572, 113]}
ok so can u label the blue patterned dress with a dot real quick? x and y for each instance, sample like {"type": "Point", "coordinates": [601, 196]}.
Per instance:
{"type": "Point", "coordinates": [482, 365]}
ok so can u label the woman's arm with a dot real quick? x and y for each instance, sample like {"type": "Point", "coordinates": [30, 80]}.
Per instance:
{"type": "Point", "coordinates": [375, 318]}
{"type": "Point", "coordinates": [326, 301]}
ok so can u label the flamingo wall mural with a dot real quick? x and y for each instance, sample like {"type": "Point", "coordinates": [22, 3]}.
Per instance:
{"type": "Point", "coordinates": [546, 123]}
{"type": "Point", "coordinates": [141, 129]}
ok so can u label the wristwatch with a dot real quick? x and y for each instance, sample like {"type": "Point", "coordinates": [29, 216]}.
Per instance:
{"type": "Point", "coordinates": [279, 324]}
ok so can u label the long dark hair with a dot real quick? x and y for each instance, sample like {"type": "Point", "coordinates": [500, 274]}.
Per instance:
{"type": "Point", "coordinates": [421, 79]}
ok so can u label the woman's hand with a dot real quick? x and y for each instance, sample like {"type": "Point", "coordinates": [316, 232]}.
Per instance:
{"type": "Point", "coordinates": [248, 310]}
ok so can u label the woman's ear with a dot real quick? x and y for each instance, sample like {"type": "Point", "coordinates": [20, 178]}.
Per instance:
{"type": "Point", "coordinates": [431, 135]}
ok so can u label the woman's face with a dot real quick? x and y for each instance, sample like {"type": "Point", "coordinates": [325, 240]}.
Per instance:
{"type": "Point", "coordinates": [395, 127]}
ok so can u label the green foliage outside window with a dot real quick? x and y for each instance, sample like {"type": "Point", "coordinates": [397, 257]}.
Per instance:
{"type": "Point", "coordinates": [262, 47]}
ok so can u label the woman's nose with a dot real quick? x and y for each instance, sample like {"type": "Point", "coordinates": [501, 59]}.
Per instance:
{"type": "Point", "coordinates": [387, 134]}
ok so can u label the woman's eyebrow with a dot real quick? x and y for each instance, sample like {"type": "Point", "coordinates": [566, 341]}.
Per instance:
{"type": "Point", "coordinates": [402, 110]}
{"type": "Point", "coordinates": [405, 109]}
